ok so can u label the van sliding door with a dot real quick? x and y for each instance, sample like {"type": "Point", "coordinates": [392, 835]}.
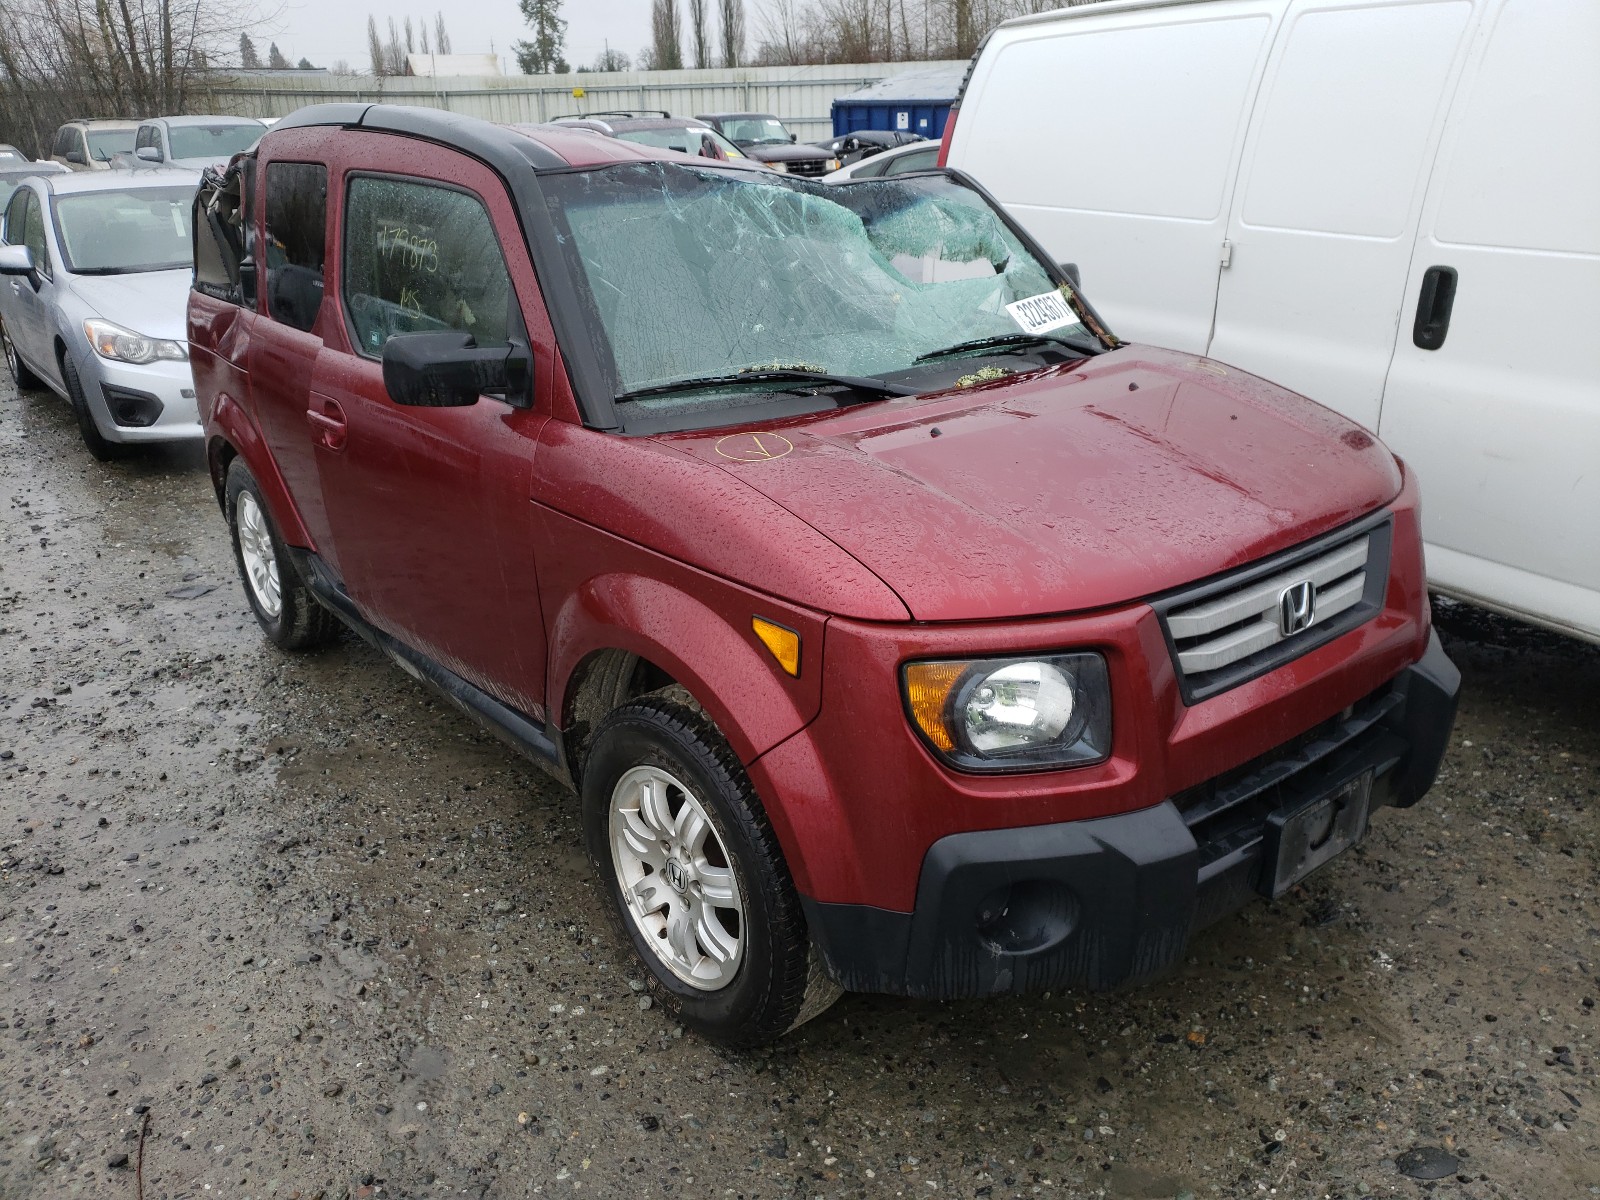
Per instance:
{"type": "Point", "coordinates": [1334, 170]}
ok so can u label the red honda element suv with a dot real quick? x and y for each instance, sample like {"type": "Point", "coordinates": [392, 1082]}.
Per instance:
{"type": "Point", "coordinates": [900, 629]}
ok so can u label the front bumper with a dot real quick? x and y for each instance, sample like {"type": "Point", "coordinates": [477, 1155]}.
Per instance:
{"type": "Point", "coordinates": [1113, 900]}
{"type": "Point", "coordinates": [130, 403]}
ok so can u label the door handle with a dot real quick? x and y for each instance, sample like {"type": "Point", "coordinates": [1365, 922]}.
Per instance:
{"type": "Point", "coordinates": [329, 424]}
{"type": "Point", "coordinates": [1437, 298]}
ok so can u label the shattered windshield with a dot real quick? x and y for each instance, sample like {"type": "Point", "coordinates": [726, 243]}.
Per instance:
{"type": "Point", "coordinates": [698, 274]}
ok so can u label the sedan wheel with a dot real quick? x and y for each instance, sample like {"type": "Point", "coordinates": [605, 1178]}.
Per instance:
{"type": "Point", "coordinates": [25, 379]}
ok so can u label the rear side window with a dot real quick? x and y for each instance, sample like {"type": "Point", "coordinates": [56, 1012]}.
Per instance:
{"type": "Point", "coordinates": [296, 241]}
{"type": "Point", "coordinates": [33, 232]}
{"type": "Point", "coordinates": [16, 218]}
{"type": "Point", "coordinates": [422, 257]}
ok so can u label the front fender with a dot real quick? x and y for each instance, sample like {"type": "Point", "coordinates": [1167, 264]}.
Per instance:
{"type": "Point", "coordinates": [703, 640]}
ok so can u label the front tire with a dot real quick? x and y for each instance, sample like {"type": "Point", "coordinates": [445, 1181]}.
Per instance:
{"type": "Point", "coordinates": [696, 878]}
{"type": "Point", "coordinates": [99, 445]}
{"type": "Point", "coordinates": [285, 608]}
{"type": "Point", "coordinates": [25, 379]}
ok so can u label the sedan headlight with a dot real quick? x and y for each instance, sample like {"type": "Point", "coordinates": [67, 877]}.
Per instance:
{"type": "Point", "coordinates": [124, 345]}
{"type": "Point", "coordinates": [1012, 714]}
{"type": "Point", "coordinates": [832, 164]}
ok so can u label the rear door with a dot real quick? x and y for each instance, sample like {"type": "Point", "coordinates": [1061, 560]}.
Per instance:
{"type": "Point", "coordinates": [430, 507]}
{"type": "Point", "coordinates": [1331, 186]}
{"type": "Point", "coordinates": [290, 255]}
{"type": "Point", "coordinates": [1497, 408]}
{"type": "Point", "coordinates": [1115, 138]}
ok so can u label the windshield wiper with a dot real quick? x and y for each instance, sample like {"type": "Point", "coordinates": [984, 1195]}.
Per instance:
{"type": "Point", "coordinates": [1013, 340]}
{"type": "Point", "coordinates": [877, 388]}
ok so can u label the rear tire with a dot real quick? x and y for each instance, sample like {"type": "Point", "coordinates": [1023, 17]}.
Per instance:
{"type": "Point", "coordinates": [285, 608]}
{"type": "Point", "coordinates": [696, 879]}
{"type": "Point", "coordinates": [25, 379]}
{"type": "Point", "coordinates": [99, 446]}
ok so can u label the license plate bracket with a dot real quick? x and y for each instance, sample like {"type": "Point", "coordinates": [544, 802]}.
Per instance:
{"type": "Point", "coordinates": [1301, 838]}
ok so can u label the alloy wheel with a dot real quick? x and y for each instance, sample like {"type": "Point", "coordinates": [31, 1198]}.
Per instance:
{"type": "Point", "coordinates": [677, 881]}
{"type": "Point", "coordinates": [257, 553]}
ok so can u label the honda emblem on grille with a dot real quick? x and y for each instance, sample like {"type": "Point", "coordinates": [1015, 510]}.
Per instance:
{"type": "Point", "coordinates": [1297, 607]}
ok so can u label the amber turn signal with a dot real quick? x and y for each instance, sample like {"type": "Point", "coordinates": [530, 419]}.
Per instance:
{"type": "Point", "coordinates": [784, 643]}
{"type": "Point", "coordinates": [928, 688]}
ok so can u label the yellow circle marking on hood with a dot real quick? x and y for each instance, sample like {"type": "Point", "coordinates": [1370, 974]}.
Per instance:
{"type": "Point", "coordinates": [753, 447]}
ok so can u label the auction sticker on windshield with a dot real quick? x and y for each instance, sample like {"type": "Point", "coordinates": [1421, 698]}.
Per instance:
{"type": "Point", "coordinates": [1037, 314]}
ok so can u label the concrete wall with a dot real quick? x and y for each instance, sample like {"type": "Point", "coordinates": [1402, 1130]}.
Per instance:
{"type": "Point", "coordinates": [802, 96]}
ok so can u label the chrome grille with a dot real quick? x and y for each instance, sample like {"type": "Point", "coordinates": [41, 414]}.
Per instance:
{"type": "Point", "coordinates": [1240, 625]}
{"type": "Point", "coordinates": [807, 166]}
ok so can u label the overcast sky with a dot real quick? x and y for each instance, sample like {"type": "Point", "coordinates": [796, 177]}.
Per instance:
{"type": "Point", "coordinates": [327, 30]}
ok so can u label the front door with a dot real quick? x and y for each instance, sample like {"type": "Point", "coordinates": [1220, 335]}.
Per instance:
{"type": "Point", "coordinates": [25, 227]}
{"type": "Point", "coordinates": [1324, 218]}
{"type": "Point", "coordinates": [430, 507]}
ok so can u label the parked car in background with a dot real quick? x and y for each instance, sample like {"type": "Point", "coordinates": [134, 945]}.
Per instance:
{"type": "Point", "coordinates": [94, 271]}
{"type": "Point", "coordinates": [1424, 257]}
{"type": "Point", "coordinates": [660, 130]}
{"type": "Point", "coordinates": [921, 156]}
{"type": "Point", "coordinates": [89, 145]}
{"type": "Point", "coordinates": [864, 143]}
{"type": "Point", "coordinates": [194, 142]}
{"type": "Point", "coordinates": [10, 155]}
{"type": "Point", "coordinates": [763, 137]}
{"type": "Point", "coordinates": [13, 172]}
{"type": "Point", "coordinates": [900, 628]}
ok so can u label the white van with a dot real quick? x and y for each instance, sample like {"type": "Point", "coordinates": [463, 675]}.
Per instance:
{"type": "Point", "coordinates": [1392, 206]}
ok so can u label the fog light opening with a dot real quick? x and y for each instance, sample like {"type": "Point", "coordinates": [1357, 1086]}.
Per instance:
{"type": "Point", "coordinates": [1026, 917]}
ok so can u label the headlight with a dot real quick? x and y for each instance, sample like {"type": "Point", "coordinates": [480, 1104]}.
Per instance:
{"type": "Point", "coordinates": [779, 167]}
{"type": "Point", "coordinates": [1012, 714]}
{"type": "Point", "coordinates": [833, 164]}
{"type": "Point", "coordinates": [124, 345]}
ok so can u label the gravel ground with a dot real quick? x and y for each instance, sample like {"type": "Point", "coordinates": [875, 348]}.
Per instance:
{"type": "Point", "coordinates": [291, 927]}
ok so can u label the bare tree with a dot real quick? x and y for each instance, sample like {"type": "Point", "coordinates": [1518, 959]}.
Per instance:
{"type": "Point", "coordinates": [375, 47]}
{"type": "Point", "coordinates": [441, 35]}
{"type": "Point", "coordinates": [612, 60]}
{"type": "Point", "coordinates": [133, 58]}
{"type": "Point", "coordinates": [699, 33]}
{"type": "Point", "coordinates": [666, 47]}
{"type": "Point", "coordinates": [732, 14]}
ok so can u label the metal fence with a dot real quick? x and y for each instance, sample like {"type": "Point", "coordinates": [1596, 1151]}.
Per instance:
{"type": "Point", "coordinates": [802, 96]}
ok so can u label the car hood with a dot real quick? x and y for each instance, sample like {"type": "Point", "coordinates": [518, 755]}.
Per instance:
{"type": "Point", "coordinates": [1073, 488]}
{"type": "Point", "coordinates": [786, 153]}
{"type": "Point", "coordinates": [154, 303]}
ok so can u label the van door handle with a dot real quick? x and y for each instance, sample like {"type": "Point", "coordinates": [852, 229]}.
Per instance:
{"type": "Point", "coordinates": [1434, 303]}
{"type": "Point", "coordinates": [329, 424]}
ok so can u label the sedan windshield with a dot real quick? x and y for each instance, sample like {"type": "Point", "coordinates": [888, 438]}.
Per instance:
{"type": "Point", "coordinates": [696, 274]}
{"type": "Point", "coordinates": [119, 232]}
{"type": "Point", "coordinates": [215, 142]}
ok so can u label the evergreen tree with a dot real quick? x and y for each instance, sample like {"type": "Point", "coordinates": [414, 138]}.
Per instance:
{"type": "Point", "coordinates": [248, 58]}
{"type": "Point", "coordinates": [275, 58]}
{"type": "Point", "coordinates": [542, 54]}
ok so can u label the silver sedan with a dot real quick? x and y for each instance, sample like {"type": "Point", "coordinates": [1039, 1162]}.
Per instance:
{"type": "Point", "coordinates": [94, 280]}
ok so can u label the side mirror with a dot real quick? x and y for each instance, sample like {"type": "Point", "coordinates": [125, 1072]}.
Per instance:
{"type": "Point", "coordinates": [16, 260]}
{"type": "Point", "coordinates": [75, 156]}
{"type": "Point", "coordinates": [794, 137]}
{"type": "Point", "coordinates": [448, 370]}
{"type": "Point", "coordinates": [1070, 270]}
{"type": "Point", "coordinates": [149, 154]}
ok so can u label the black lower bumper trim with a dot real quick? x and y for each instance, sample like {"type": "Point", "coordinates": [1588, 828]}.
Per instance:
{"type": "Point", "coordinates": [1112, 901]}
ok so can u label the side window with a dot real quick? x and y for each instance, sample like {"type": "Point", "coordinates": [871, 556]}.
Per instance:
{"type": "Point", "coordinates": [143, 139]}
{"type": "Point", "coordinates": [63, 141]}
{"type": "Point", "coordinates": [419, 257]}
{"type": "Point", "coordinates": [916, 161]}
{"type": "Point", "coordinates": [219, 250]}
{"type": "Point", "coordinates": [296, 241]}
{"type": "Point", "coordinates": [16, 217]}
{"type": "Point", "coordinates": [33, 234]}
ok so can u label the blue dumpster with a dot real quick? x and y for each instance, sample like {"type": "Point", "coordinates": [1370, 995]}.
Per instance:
{"type": "Point", "coordinates": [915, 101]}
